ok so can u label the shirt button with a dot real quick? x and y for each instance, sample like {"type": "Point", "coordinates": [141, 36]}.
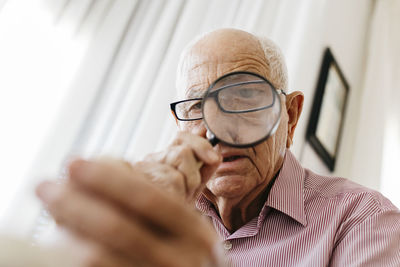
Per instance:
{"type": "Point", "coordinates": [227, 245]}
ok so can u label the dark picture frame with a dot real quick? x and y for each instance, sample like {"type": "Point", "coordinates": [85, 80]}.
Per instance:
{"type": "Point", "coordinates": [328, 110]}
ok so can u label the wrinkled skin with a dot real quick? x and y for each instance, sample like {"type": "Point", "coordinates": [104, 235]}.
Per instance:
{"type": "Point", "coordinates": [141, 214]}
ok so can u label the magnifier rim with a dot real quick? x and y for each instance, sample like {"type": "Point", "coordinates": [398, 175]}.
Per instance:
{"type": "Point", "coordinates": [274, 128]}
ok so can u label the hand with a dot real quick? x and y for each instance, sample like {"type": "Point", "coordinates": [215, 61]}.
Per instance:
{"type": "Point", "coordinates": [184, 167]}
{"type": "Point", "coordinates": [126, 219]}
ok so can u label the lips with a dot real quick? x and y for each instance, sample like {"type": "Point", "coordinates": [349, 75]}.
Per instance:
{"type": "Point", "coordinates": [230, 155]}
{"type": "Point", "coordinates": [233, 158]}
{"type": "Point", "coordinates": [233, 163]}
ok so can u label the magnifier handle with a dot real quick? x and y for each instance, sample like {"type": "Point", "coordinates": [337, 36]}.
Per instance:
{"type": "Point", "coordinates": [213, 139]}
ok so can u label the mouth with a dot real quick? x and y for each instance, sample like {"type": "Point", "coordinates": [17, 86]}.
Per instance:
{"type": "Point", "coordinates": [233, 158]}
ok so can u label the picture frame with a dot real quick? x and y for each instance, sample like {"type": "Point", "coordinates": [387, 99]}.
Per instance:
{"type": "Point", "coordinates": [328, 110]}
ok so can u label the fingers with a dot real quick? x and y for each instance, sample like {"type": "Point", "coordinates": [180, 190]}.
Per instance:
{"type": "Point", "coordinates": [165, 176]}
{"type": "Point", "coordinates": [86, 253]}
{"type": "Point", "coordinates": [183, 160]}
{"type": "Point", "coordinates": [94, 255]}
{"type": "Point", "coordinates": [100, 221]}
{"type": "Point", "coordinates": [202, 149]}
{"type": "Point", "coordinates": [114, 205]}
{"type": "Point", "coordinates": [191, 155]}
{"type": "Point", "coordinates": [128, 190]}
{"type": "Point", "coordinates": [187, 164]}
{"type": "Point", "coordinates": [104, 259]}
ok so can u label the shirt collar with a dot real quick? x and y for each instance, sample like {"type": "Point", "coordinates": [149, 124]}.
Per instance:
{"type": "Point", "coordinates": [287, 193]}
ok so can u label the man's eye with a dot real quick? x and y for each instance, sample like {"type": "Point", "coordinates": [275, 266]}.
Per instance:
{"type": "Point", "coordinates": [249, 93]}
{"type": "Point", "coordinates": [195, 106]}
{"type": "Point", "coordinates": [246, 92]}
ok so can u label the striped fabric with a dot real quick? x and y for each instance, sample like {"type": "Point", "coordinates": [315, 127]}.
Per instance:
{"type": "Point", "coordinates": [312, 220]}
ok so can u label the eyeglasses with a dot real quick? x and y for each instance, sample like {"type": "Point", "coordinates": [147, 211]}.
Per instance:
{"type": "Point", "coordinates": [235, 97]}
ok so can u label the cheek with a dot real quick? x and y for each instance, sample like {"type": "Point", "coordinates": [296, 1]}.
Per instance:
{"type": "Point", "coordinates": [281, 136]}
{"type": "Point", "coordinates": [264, 157]}
{"type": "Point", "coordinates": [269, 155]}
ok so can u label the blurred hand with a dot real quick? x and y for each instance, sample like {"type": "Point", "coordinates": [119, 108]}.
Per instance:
{"type": "Point", "coordinates": [126, 220]}
{"type": "Point", "coordinates": [184, 167]}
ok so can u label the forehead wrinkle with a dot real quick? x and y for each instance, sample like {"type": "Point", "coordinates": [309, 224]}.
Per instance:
{"type": "Point", "coordinates": [195, 91]}
{"type": "Point", "coordinates": [197, 83]}
{"type": "Point", "coordinates": [249, 61]}
{"type": "Point", "coordinates": [239, 57]}
{"type": "Point", "coordinates": [207, 65]}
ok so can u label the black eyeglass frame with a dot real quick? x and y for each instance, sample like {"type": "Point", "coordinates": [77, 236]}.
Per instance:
{"type": "Point", "coordinates": [215, 94]}
{"type": "Point", "coordinates": [173, 108]}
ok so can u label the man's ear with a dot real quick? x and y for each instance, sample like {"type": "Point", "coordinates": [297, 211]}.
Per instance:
{"type": "Point", "coordinates": [294, 106]}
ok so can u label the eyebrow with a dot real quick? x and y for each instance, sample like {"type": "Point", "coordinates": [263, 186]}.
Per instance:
{"type": "Point", "coordinates": [195, 93]}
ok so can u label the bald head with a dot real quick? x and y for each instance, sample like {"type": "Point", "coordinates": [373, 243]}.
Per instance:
{"type": "Point", "coordinates": [227, 50]}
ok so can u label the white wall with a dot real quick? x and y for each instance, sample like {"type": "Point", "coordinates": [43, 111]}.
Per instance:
{"type": "Point", "coordinates": [343, 26]}
{"type": "Point", "coordinates": [377, 150]}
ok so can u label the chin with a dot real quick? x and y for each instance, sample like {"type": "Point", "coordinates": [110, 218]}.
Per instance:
{"type": "Point", "coordinates": [231, 186]}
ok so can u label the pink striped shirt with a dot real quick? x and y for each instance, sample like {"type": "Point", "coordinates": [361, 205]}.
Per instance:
{"type": "Point", "coordinates": [313, 220]}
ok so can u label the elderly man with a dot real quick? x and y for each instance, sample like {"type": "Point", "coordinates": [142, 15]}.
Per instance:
{"type": "Point", "coordinates": [265, 208]}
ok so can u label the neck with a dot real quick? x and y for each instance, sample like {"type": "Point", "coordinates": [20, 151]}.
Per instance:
{"type": "Point", "coordinates": [236, 213]}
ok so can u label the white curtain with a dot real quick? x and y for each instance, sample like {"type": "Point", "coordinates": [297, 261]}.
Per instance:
{"type": "Point", "coordinates": [378, 142]}
{"type": "Point", "coordinates": [112, 97]}
{"type": "Point", "coordinates": [121, 78]}
{"type": "Point", "coordinates": [40, 50]}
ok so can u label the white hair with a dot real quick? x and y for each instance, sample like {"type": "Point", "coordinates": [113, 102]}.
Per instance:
{"type": "Point", "coordinates": [277, 71]}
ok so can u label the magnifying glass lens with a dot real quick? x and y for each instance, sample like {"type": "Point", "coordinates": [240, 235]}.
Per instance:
{"type": "Point", "coordinates": [241, 109]}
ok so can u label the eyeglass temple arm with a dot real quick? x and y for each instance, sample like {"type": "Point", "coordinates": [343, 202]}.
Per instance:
{"type": "Point", "coordinates": [281, 91]}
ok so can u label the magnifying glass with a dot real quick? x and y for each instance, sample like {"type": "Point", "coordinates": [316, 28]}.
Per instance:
{"type": "Point", "coordinates": [241, 109]}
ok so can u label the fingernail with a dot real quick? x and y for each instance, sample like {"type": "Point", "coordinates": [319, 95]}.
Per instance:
{"type": "Point", "coordinates": [46, 191]}
{"type": "Point", "coordinates": [212, 155]}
